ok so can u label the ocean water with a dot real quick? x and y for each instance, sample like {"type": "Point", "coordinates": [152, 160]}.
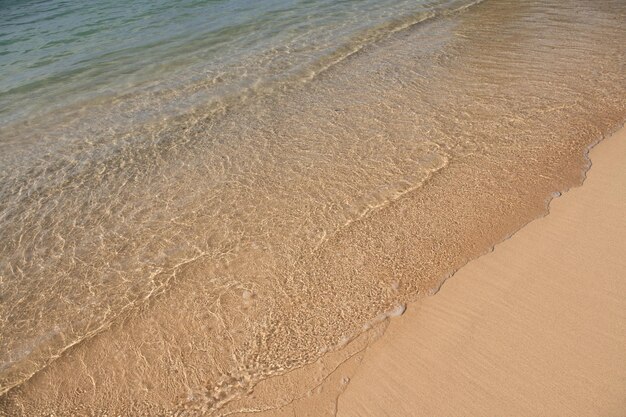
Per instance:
{"type": "Point", "coordinates": [199, 196]}
{"type": "Point", "coordinates": [59, 53]}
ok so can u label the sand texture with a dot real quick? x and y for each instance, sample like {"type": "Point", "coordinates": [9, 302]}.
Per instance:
{"type": "Point", "coordinates": [535, 328]}
{"type": "Point", "coordinates": [204, 265]}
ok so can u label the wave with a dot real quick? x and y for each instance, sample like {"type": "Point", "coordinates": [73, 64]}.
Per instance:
{"type": "Point", "coordinates": [292, 219]}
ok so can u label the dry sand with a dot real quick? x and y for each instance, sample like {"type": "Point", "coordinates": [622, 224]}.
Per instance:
{"type": "Point", "coordinates": [535, 328]}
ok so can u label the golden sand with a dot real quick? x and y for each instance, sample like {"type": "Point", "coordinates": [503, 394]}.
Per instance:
{"type": "Point", "coordinates": [535, 328]}
{"type": "Point", "coordinates": [192, 264]}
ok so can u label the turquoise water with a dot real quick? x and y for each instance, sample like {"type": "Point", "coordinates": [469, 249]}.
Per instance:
{"type": "Point", "coordinates": [57, 52]}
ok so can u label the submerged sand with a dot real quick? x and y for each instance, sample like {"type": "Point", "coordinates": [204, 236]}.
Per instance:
{"type": "Point", "coordinates": [535, 328]}
{"type": "Point", "coordinates": [182, 270]}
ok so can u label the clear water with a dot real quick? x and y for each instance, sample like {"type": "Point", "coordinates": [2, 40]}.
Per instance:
{"type": "Point", "coordinates": [57, 52]}
{"type": "Point", "coordinates": [196, 197]}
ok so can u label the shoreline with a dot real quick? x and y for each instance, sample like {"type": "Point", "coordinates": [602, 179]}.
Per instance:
{"type": "Point", "coordinates": [240, 289]}
{"type": "Point", "coordinates": [454, 353]}
{"type": "Point", "coordinates": [322, 385]}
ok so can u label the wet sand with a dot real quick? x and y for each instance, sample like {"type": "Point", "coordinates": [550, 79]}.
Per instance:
{"type": "Point", "coordinates": [192, 265]}
{"type": "Point", "coordinates": [535, 328]}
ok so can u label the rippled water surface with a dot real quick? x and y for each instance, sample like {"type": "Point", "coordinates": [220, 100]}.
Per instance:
{"type": "Point", "coordinates": [58, 52]}
{"type": "Point", "coordinates": [197, 198]}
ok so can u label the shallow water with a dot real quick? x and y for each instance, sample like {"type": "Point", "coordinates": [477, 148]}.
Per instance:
{"type": "Point", "coordinates": [59, 53]}
{"type": "Point", "coordinates": [189, 254]}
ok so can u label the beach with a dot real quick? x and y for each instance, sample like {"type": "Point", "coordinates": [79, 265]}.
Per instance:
{"type": "Point", "coordinates": [535, 328]}
{"type": "Point", "coordinates": [229, 208]}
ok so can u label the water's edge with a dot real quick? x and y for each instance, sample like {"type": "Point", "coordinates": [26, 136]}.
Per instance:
{"type": "Point", "coordinates": [316, 214]}
{"type": "Point", "coordinates": [378, 326]}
